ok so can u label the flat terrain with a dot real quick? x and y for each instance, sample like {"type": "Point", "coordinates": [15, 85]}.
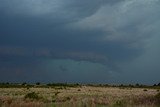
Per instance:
{"type": "Point", "coordinates": [84, 96]}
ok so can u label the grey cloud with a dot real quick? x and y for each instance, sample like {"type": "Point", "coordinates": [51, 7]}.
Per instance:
{"type": "Point", "coordinates": [144, 68]}
{"type": "Point", "coordinates": [59, 10]}
{"type": "Point", "coordinates": [127, 21]}
{"type": "Point", "coordinates": [24, 52]}
{"type": "Point", "coordinates": [76, 71]}
{"type": "Point", "coordinates": [107, 33]}
{"type": "Point", "coordinates": [20, 51]}
{"type": "Point", "coordinates": [100, 33]}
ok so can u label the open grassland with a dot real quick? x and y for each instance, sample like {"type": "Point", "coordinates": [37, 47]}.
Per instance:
{"type": "Point", "coordinates": [81, 96]}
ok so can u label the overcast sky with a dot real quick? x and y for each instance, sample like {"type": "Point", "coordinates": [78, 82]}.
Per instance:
{"type": "Point", "coordinates": [85, 41]}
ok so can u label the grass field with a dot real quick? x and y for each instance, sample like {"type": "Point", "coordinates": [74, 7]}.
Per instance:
{"type": "Point", "coordinates": [82, 96]}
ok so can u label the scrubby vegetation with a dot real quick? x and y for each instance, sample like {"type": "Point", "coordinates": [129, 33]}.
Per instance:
{"type": "Point", "coordinates": [65, 85]}
{"type": "Point", "coordinates": [32, 95]}
{"type": "Point", "coordinates": [157, 98]}
{"type": "Point", "coordinates": [38, 85]}
{"type": "Point", "coordinates": [71, 95]}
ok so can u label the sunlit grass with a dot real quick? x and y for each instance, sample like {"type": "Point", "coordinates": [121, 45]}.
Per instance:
{"type": "Point", "coordinates": [85, 96]}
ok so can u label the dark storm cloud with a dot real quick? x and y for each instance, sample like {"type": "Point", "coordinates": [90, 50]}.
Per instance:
{"type": "Point", "coordinates": [41, 24]}
{"type": "Point", "coordinates": [107, 32]}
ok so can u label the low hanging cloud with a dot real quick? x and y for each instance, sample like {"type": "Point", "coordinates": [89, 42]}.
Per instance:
{"type": "Point", "coordinates": [6, 51]}
{"type": "Point", "coordinates": [113, 33]}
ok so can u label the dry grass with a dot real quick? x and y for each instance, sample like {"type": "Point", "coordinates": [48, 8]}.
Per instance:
{"type": "Point", "coordinates": [85, 96]}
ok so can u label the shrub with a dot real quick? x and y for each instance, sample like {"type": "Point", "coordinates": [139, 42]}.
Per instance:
{"type": "Point", "coordinates": [145, 90]}
{"type": "Point", "coordinates": [157, 97]}
{"type": "Point", "coordinates": [5, 100]}
{"type": "Point", "coordinates": [38, 83]}
{"type": "Point", "coordinates": [23, 84]}
{"type": "Point", "coordinates": [1, 103]}
{"type": "Point", "coordinates": [53, 98]}
{"type": "Point", "coordinates": [120, 103]}
{"type": "Point", "coordinates": [56, 93]}
{"type": "Point", "coordinates": [79, 90]}
{"type": "Point", "coordinates": [32, 95]}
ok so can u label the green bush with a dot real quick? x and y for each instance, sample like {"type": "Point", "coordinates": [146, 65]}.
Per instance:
{"type": "Point", "coordinates": [32, 95]}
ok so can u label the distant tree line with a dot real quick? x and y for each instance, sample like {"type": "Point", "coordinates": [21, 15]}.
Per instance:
{"type": "Point", "coordinates": [38, 84]}
{"type": "Point", "coordinates": [64, 85]}
{"type": "Point", "coordinates": [157, 84]}
{"type": "Point", "coordinates": [15, 85]}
